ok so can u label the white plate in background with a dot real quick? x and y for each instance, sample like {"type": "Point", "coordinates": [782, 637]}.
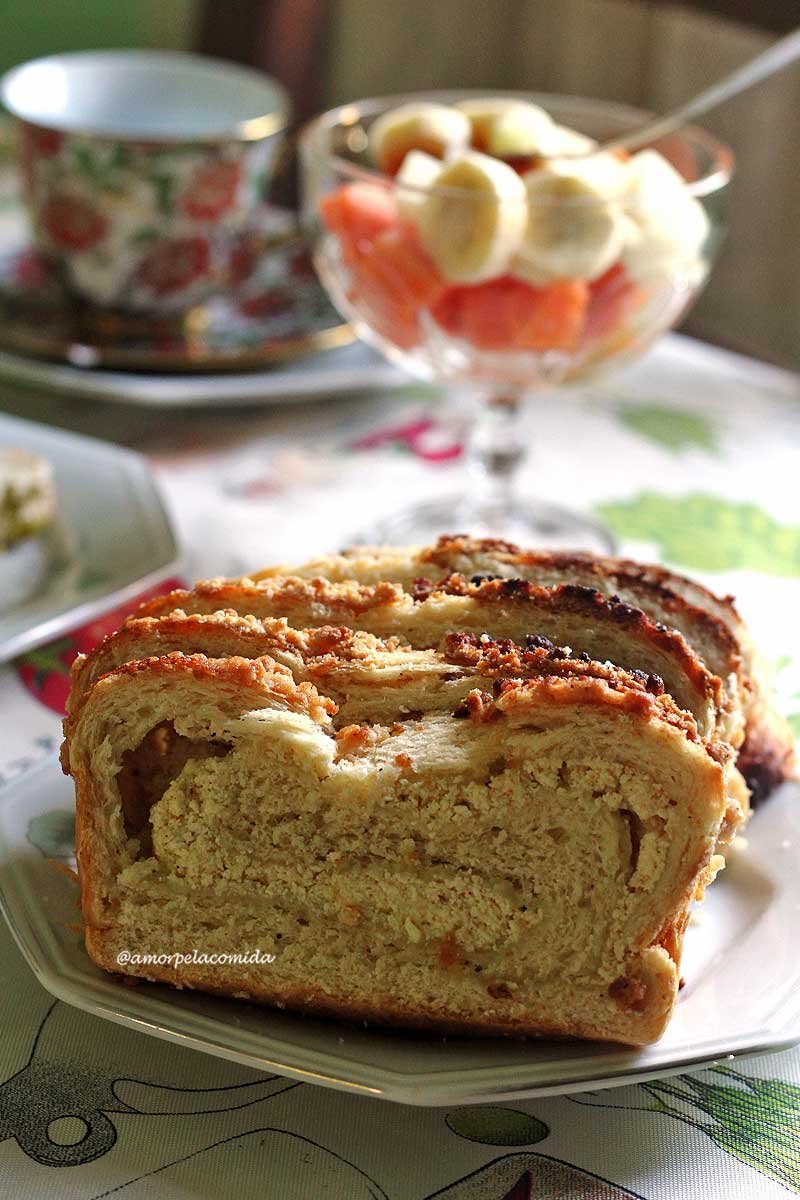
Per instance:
{"type": "Point", "coordinates": [112, 538]}
{"type": "Point", "coordinates": [351, 368]}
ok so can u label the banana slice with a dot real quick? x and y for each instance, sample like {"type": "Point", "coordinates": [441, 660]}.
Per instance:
{"type": "Point", "coordinates": [520, 131]}
{"type": "Point", "coordinates": [471, 223]}
{"type": "Point", "coordinates": [648, 259]}
{"type": "Point", "coordinates": [560, 141]}
{"type": "Point", "coordinates": [507, 128]}
{"type": "Point", "coordinates": [481, 114]}
{"type": "Point", "coordinates": [668, 226]}
{"type": "Point", "coordinates": [576, 227]}
{"type": "Point", "coordinates": [412, 181]}
{"type": "Point", "coordinates": [435, 128]}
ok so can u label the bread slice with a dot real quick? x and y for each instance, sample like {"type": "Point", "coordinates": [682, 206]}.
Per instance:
{"type": "Point", "coordinates": [710, 624]}
{"type": "Point", "coordinates": [579, 618]}
{"type": "Point", "coordinates": [357, 669]}
{"type": "Point", "coordinates": [520, 864]}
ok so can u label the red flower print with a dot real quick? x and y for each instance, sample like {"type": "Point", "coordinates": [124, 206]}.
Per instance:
{"type": "Point", "coordinates": [31, 270]}
{"type": "Point", "coordinates": [73, 222]}
{"type": "Point", "coordinates": [45, 671]}
{"type": "Point", "coordinates": [45, 143]}
{"type": "Point", "coordinates": [212, 191]}
{"type": "Point", "coordinates": [26, 163]}
{"type": "Point", "coordinates": [243, 259]}
{"type": "Point", "coordinates": [300, 265]}
{"type": "Point", "coordinates": [172, 265]}
{"type": "Point", "coordinates": [266, 304]}
{"type": "Point", "coordinates": [426, 439]}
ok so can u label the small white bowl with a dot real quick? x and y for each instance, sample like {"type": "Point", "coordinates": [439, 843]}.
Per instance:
{"type": "Point", "coordinates": [23, 569]}
{"type": "Point", "coordinates": [142, 168]}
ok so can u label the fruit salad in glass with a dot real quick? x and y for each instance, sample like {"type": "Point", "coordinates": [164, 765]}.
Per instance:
{"type": "Point", "coordinates": [493, 240]}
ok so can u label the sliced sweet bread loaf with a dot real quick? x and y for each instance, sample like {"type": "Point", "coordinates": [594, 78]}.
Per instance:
{"type": "Point", "coordinates": [522, 864]}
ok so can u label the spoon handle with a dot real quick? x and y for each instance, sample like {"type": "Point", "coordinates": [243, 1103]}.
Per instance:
{"type": "Point", "coordinates": [779, 55]}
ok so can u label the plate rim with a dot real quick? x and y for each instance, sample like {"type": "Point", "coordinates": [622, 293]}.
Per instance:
{"type": "Point", "coordinates": [29, 343]}
{"type": "Point", "coordinates": [434, 1087]}
{"type": "Point", "coordinates": [176, 390]}
{"type": "Point", "coordinates": [167, 556]}
{"type": "Point", "coordinates": [26, 345]}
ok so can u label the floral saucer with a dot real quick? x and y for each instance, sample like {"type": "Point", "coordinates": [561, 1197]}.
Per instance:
{"type": "Point", "coordinates": [278, 311]}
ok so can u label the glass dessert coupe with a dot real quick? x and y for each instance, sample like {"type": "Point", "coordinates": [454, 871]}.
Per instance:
{"type": "Point", "coordinates": [482, 242]}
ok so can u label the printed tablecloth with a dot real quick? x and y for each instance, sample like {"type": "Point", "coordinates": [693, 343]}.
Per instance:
{"type": "Point", "coordinates": [692, 457]}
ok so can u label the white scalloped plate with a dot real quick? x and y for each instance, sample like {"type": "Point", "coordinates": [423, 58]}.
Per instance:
{"type": "Point", "coordinates": [742, 966]}
{"type": "Point", "coordinates": [86, 566]}
{"type": "Point", "coordinates": [345, 369]}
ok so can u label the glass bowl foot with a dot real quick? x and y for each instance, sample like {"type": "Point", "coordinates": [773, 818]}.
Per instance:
{"type": "Point", "coordinates": [531, 523]}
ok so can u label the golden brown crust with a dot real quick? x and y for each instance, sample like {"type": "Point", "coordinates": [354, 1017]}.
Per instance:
{"type": "Point", "coordinates": [710, 623]}
{"type": "Point", "coordinates": [589, 603]}
{"type": "Point", "coordinates": [385, 1011]}
{"type": "Point", "coordinates": [351, 603]}
{"type": "Point", "coordinates": [214, 595]}
{"type": "Point", "coordinates": [217, 635]}
{"type": "Point", "coordinates": [688, 600]}
{"type": "Point", "coordinates": [491, 656]}
{"type": "Point", "coordinates": [325, 650]}
{"type": "Point", "coordinates": [516, 697]}
{"type": "Point", "coordinates": [525, 676]}
{"type": "Point", "coordinates": [262, 676]}
{"type": "Point", "coordinates": [717, 614]}
{"type": "Point", "coordinates": [767, 756]}
{"type": "Point", "coordinates": [585, 683]}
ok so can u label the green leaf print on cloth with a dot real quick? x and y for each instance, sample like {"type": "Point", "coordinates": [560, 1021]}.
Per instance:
{"type": "Point", "coordinates": [494, 1126]}
{"type": "Point", "coordinates": [674, 428]}
{"type": "Point", "coordinates": [707, 532]}
{"type": "Point", "coordinates": [53, 833]}
{"type": "Point", "coordinates": [757, 1120]}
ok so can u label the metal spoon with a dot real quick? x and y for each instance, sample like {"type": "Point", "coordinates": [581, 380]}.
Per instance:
{"type": "Point", "coordinates": [779, 55]}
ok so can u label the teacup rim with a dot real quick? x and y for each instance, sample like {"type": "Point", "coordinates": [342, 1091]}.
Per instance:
{"type": "Point", "coordinates": [256, 128]}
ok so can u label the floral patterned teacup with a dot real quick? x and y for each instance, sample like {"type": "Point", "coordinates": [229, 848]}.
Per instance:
{"type": "Point", "coordinates": [141, 170]}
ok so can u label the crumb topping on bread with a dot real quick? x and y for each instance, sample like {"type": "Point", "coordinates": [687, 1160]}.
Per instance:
{"type": "Point", "coordinates": [710, 624]}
